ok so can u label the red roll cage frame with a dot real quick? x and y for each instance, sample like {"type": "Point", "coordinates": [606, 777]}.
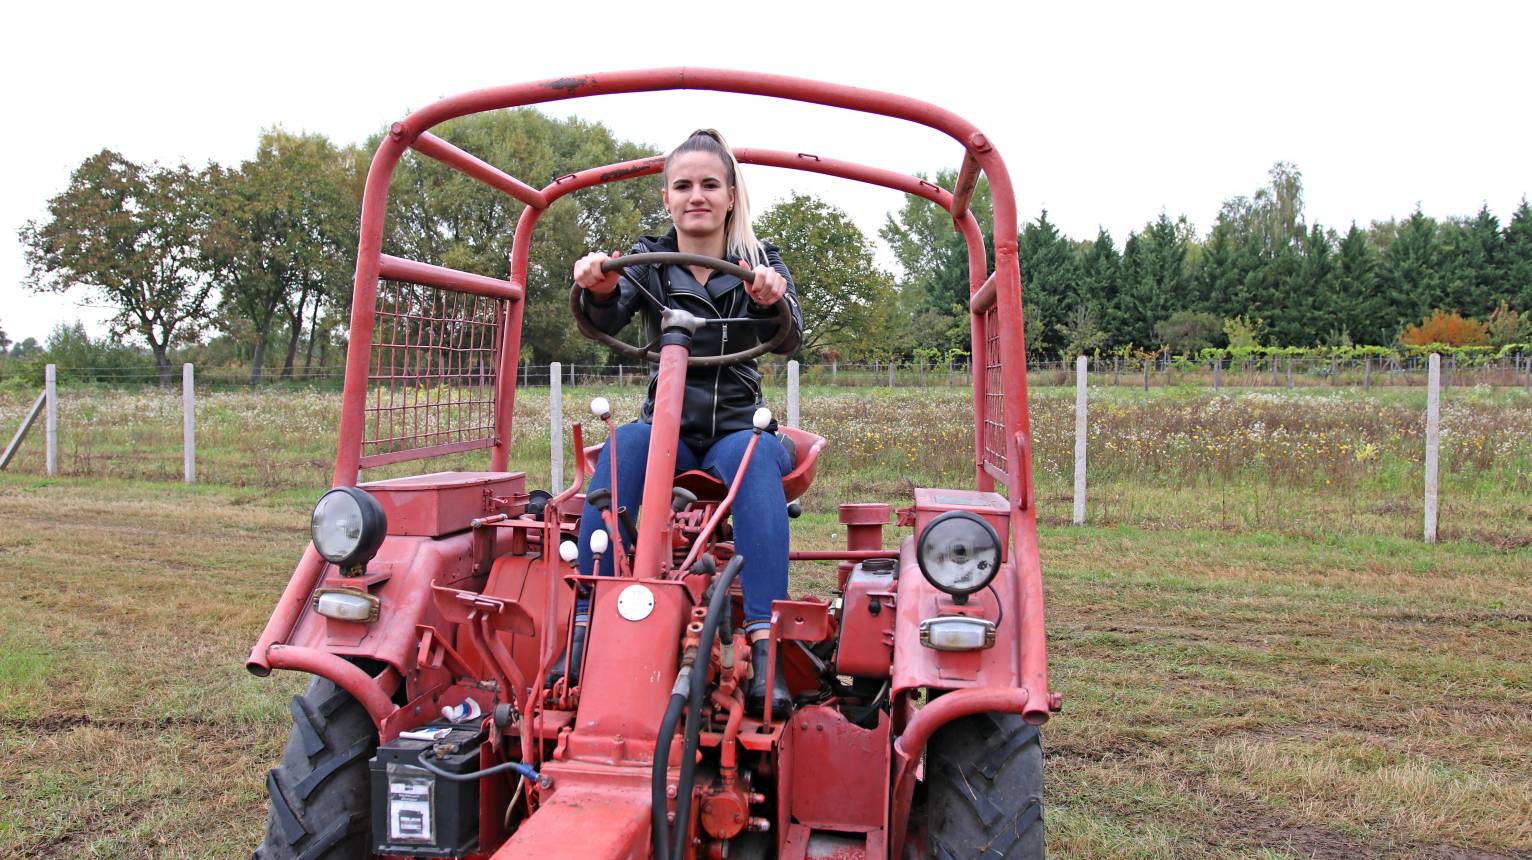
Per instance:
{"type": "Point", "coordinates": [1001, 424]}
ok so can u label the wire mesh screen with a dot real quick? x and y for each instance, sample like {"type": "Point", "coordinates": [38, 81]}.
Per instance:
{"type": "Point", "coordinates": [994, 393]}
{"type": "Point", "coordinates": [431, 378]}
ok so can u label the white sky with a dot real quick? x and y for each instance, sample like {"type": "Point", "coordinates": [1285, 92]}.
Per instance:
{"type": "Point", "coordinates": [1105, 112]}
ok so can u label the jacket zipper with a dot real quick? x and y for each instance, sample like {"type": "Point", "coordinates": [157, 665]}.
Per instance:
{"type": "Point", "coordinates": [723, 347]}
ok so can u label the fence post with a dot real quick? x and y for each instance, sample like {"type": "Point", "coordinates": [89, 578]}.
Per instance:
{"type": "Point", "coordinates": [1217, 374]}
{"type": "Point", "coordinates": [51, 423]}
{"type": "Point", "coordinates": [619, 376]}
{"type": "Point", "coordinates": [792, 394]}
{"type": "Point", "coordinates": [890, 373]}
{"type": "Point", "coordinates": [834, 366]}
{"type": "Point", "coordinates": [556, 426]}
{"type": "Point", "coordinates": [189, 423]}
{"type": "Point", "coordinates": [1367, 372]}
{"type": "Point", "coordinates": [1289, 371]}
{"type": "Point", "coordinates": [1433, 436]}
{"type": "Point", "coordinates": [1146, 374]}
{"type": "Point", "coordinates": [1081, 427]}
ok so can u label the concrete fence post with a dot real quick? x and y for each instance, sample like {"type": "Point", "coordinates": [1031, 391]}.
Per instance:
{"type": "Point", "coordinates": [1081, 430]}
{"type": "Point", "coordinates": [1433, 437]}
{"type": "Point", "coordinates": [51, 422]}
{"type": "Point", "coordinates": [188, 423]}
{"type": "Point", "coordinates": [555, 427]}
{"type": "Point", "coordinates": [792, 394]}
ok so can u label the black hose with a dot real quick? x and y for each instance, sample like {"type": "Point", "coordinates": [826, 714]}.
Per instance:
{"type": "Point", "coordinates": [661, 770]}
{"type": "Point", "coordinates": [715, 608]}
{"type": "Point", "coordinates": [425, 759]}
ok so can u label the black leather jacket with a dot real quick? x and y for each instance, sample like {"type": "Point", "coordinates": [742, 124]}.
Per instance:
{"type": "Point", "coordinates": [718, 400]}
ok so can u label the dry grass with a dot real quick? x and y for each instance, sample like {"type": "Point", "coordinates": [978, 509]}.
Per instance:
{"type": "Point", "coordinates": [1253, 665]}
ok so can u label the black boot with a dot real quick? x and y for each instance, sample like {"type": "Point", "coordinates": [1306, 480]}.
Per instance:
{"type": "Point", "coordinates": [755, 698]}
{"type": "Point", "coordinates": [576, 651]}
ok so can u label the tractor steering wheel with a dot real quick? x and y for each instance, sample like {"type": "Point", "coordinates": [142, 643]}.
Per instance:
{"type": "Point", "coordinates": [784, 317]}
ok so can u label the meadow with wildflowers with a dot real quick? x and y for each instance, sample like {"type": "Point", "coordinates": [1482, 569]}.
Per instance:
{"type": "Point", "coordinates": [1259, 656]}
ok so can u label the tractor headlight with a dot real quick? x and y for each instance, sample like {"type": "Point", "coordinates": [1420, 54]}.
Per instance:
{"type": "Point", "coordinates": [348, 526]}
{"type": "Point", "coordinates": [959, 553]}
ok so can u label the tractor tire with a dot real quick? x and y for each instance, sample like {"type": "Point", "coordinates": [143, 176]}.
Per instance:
{"type": "Point", "coordinates": [984, 789]}
{"type": "Point", "coordinates": [320, 793]}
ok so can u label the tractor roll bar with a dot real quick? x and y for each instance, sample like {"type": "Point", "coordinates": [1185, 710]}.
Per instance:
{"type": "Point", "coordinates": [408, 133]}
{"type": "Point", "coordinates": [471, 165]}
{"type": "Point", "coordinates": [997, 336]}
{"type": "Point", "coordinates": [425, 274]}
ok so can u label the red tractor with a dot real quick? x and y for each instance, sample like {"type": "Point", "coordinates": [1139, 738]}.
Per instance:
{"type": "Point", "coordinates": [433, 609]}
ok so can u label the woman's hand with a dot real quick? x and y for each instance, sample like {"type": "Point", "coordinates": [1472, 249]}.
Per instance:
{"type": "Point", "coordinates": [768, 287]}
{"type": "Point", "coordinates": [588, 275]}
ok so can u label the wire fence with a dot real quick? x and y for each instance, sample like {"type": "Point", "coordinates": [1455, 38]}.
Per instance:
{"type": "Point", "coordinates": [1511, 371]}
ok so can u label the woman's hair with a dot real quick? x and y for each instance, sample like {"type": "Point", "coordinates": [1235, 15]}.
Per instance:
{"type": "Point", "coordinates": [738, 235]}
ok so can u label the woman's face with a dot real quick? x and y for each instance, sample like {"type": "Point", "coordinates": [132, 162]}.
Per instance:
{"type": "Point", "coordinates": [697, 194]}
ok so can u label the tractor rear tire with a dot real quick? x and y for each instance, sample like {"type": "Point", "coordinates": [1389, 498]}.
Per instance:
{"type": "Point", "coordinates": [984, 789]}
{"type": "Point", "coordinates": [320, 797]}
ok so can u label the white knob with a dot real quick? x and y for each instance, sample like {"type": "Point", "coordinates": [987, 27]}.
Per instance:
{"type": "Point", "coordinates": [599, 542]}
{"type": "Point", "coordinates": [762, 418]}
{"type": "Point", "coordinates": [600, 407]}
{"type": "Point", "coordinates": [568, 551]}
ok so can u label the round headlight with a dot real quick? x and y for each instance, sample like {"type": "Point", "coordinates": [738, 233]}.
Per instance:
{"type": "Point", "coordinates": [348, 526]}
{"type": "Point", "coordinates": [959, 552]}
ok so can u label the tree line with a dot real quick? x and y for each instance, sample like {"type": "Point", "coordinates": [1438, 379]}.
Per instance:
{"type": "Point", "coordinates": [251, 265]}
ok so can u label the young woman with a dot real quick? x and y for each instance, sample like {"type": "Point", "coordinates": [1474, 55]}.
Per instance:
{"type": "Point", "coordinates": [706, 199]}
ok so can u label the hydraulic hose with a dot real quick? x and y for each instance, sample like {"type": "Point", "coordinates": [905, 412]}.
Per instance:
{"type": "Point", "coordinates": [661, 769]}
{"type": "Point", "coordinates": [717, 606]}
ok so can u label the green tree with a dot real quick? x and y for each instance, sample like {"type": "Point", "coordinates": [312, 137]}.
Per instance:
{"type": "Point", "coordinates": [930, 251]}
{"type": "Point", "coordinates": [1354, 301]}
{"type": "Point", "coordinates": [131, 235]}
{"type": "Point", "coordinates": [839, 286]}
{"type": "Point", "coordinates": [284, 238]}
{"type": "Point", "coordinates": [1153, 280]}
{"type": "Point", "coordinates": [1305, 319]}
{"type": "Point", "coordinates": [1050, 277]}
{"type": "Point", "coordinates": [1517, 277]}
{"type": "Point", "coordinates": [1473, 264]}
{"type": "Point", "coordinates": [1095, 292]}
{"type": "Point", "coordinates": [1218, 281]}
{"type": "Point", "coordinates": [1189, 332]}
{"type": "Point", "coordinates": [1081, 331]}
{"type": "Point", "coordinates": [1412, 270]}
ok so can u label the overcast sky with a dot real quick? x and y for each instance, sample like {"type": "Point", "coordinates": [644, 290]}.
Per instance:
{"type": "Point", "coordinates": [1106, 113]}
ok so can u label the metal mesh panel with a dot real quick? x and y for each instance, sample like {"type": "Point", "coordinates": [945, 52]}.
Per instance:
{"type": "Point", "coordinates": [431, 376]}
{"type": "Point", "coordinates": [994, 392]}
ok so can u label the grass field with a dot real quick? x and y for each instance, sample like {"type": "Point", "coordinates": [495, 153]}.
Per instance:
{"type": "Point", "coordinates": [1259, 657]}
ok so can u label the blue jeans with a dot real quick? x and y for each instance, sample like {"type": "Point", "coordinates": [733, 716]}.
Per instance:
{"type": "Point", "coordinates": [759, 510]}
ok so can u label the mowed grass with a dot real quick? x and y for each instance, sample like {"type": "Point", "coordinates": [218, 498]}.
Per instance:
{"type": "Point", "coordinates": [1254, 664]}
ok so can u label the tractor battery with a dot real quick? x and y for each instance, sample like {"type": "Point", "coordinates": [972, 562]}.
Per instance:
{"type": "Point", "coordinates": [417, 813]}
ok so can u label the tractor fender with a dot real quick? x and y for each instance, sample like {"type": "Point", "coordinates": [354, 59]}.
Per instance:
{"type": "Point", "coordinates": [400, 576]}
{"type": "Point", "coordinates": [916, 665]}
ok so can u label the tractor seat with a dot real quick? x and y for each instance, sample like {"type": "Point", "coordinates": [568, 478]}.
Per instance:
{"type": "Point", "coordinates": [709, 489]}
